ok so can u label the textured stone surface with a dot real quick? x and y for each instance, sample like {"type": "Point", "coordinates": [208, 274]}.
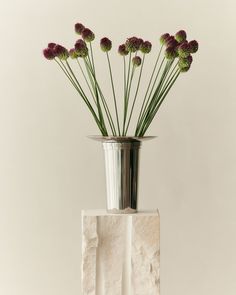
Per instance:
{"type": "Point", "coordinates": [120, 253]}
{"type": "Point", "coordinates": [145, 255]}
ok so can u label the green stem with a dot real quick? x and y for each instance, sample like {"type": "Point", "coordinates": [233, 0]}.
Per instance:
{"type": "Point", "coordinates": [149, 84]}
{"type": "Point", "coordinates": [124, 62]}
{"type": "Point", "coordinates": [106, 108]}
{"type": "Point", "coordinates": [77, 82]}
{"type": "Point", "coordinates": [113, 90]}
{"type": "Point", "coordinates": [162, 97]}
{"type": "Point", "coordinates": [86, 80]}
{"type": "Point", "coordinates": [159, 87]}
{"type": "Point", "coordinates": [128, 94]}
{"type": "Point", "coordinates": [146, 105]}
{"type": "Point", "coordinates": [95, 80]}
{"type": "Point", "coordinates": [63, 68]}
{"type": "Point", "coordinates": [125, 97]}
{"type": "Point", "coordinates": [148, 108]}
{"type": "Point", "coordinates": [100, 117]}
{"type": "Point", "coordinates": [136, 93]}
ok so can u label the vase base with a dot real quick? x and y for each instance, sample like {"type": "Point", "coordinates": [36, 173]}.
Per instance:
{"type": "Point", "coordinates": [127, 210]}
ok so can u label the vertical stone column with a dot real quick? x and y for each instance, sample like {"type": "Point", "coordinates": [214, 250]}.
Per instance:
{"type": "Point", "coordinates": [120, 253]}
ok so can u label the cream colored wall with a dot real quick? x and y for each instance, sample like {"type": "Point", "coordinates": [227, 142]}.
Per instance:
{"type": "Point", "coordinates": [49, 170]}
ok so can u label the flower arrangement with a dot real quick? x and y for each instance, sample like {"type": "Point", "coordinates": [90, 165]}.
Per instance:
{"type": "Point", "coordinates": [173, 58]}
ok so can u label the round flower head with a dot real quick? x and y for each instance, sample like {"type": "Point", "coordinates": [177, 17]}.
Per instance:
{"type": "Point", "coordinates": [136, 61]}
{"type": "Point", "coordinates": [140, 41]}
{"type": "Point", "coordinates": [48, 53]}
{"type": "Point", "coordinates": [180, 36]}
{"type": "Point", "coordinates": [81, 48]}
{"type": "Point", "coordinates": [185, 69]}
{"type": "Point", "coordinates": [132, 44]}
{"type": "Point", "coordinates": [168, 40]}
{"type": "Point", "coordinates": [73, 54]}
{"type": "Point", "coordinates": [193, 46]}
{"type": "Point", "coordinates": [164, 37]}
{"type": "Point", "coordinates": [146, 47]}
{"type": "Point", "coordinates": [122, 50]}
{"type": "Point", "coordinates": [61, 52]}
{"type": "Point", "coordinates": [105, 44]}
{"type": "Point", "coordinates": [185, 62]}
{"type": "Point", "coordinates": [79, 28]}
{"type": "Point", "coordinates": [88, 35]}
{"type": "Point", "coordinates": [171, 42]}
{"type": "Point", "coordinates": [51, 45]}
{"type": "Point", "coordinates": [170, 53]}
{"type": "Point", "coordinates": [183, 49]}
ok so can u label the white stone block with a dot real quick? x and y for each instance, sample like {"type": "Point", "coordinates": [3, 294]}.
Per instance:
{"type": "Point", "coordinates": [120, 253]}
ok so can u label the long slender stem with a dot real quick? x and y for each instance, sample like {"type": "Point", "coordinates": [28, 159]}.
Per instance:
{"type": "Point", "coordinates": [72, 73]}
{"type": "Point", "coordinates": [114, 94]}
{"type": "Point", "coordinates": [86, 80]}
{"type": "Point", "coordinates": [124, 63]}
{"type": "Point", "coordinates": [106, 108]}
{"type": "Point", "coordinates": [149, 84]}
{"type": "Point", "coordinates": [146, 104]}
{"type": "Point", "coordinates": [126, 94]}
{"type": "Point", "coordinates": [164, 93]}
{"type": "Point", "coordinates": [63, 68]}
{"type": "Point", "coordinates": [159, 87]}
{"type": "Point", "coordinates": [68, 76]}
{"type": "Point", "coordinates": [95, 80]}
{"type": "Point", "coordinates": [136, 93]}
{"type": "Point", "coordinates": [149, 105]}
{"type": "Point", "coordinates": [158, 94]}
{"type": "Point", "coordinates": [155, 104]}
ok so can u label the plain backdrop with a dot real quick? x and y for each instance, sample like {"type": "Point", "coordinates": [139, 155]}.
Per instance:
{"type": "Point", "coordinates": [50, 170]}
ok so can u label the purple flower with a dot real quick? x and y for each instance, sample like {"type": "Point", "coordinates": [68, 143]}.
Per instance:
{"type": "Point", "coordinates": [105, 44]}
{"type": "Point", "coordinates": [140, 41]}
{"type": "Point", "coordinates": [81, 48]}
{"type": "Point", "coordinates": [164, 37]}
{"type": "Point", "coordinates": [48, 53]}
{"type": "Point", "coordinates": [183, 49]}
{"type": "Point", "coordinates": [122, 50]}
{"type": "Point", "coordinates": [73, 54]}
{"type": "Point", "coordinates": [185, 62]}
{"type": "Point", "coordinates": [79, 28]}
{"type": "Point", "coordinates": [146, 47]}
{"type": "Point", "coordinates": [87, 35]}
{"type": "Point", "coordinates": [51, 45]}
{"type": "Point", "coordinates": [136, 61]}
{"type": "Point", "coordinates": [132, 44]}
{"type": "Point", "coordinates": [60, 52]}
{"type": "Point", "coordinates": [180, 36]}
{"type": "Point", "coordinates": [185, 69]}
{"type": "Point", "coordinates": [169, 39]}
{"type": "Point", "coordinates": [193, 46]}
{"type": "Point", "coordinates": [170, 53]}
{"type": "Point", "coordinates": [171, 42]}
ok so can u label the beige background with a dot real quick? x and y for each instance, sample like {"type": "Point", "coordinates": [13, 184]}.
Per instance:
{"type": "Point", "coordinates": [49, 170]}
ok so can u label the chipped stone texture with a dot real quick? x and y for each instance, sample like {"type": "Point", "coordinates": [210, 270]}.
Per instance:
{"type": "Point", "coordinates": [89, 254]}
{"type": "Point", "coordinates": [120, 253]}
{"type": "Point", "coordinates": [145, 255]}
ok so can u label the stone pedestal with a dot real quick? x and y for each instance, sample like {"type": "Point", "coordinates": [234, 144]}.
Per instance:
{"type": "Point", "coordinates": [120, 253]}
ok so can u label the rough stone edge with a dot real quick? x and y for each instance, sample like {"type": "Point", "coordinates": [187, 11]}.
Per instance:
{"type": "Point", "coordinates": [145, 255]}
{"type": "Point", "coordinates": [89, 254]}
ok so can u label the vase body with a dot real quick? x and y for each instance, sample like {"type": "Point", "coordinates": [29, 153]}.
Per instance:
{"type": "Point", "coordinates": [122, 155]}
{"type": "Point", "coordinates": [122, 170]}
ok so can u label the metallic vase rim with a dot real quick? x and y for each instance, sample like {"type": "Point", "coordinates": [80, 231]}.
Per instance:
{"type": "Point", "coordinates": [120, 138]}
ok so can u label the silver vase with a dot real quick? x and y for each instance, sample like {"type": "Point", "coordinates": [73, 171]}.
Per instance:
{"type": "Point", "coordinates": [122, 171]}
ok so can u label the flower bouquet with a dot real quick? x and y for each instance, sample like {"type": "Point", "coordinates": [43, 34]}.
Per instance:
{"type": "Point", "coordinates": [122, 151]}
{"type": "Point", "coordinates": [176, 59]}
